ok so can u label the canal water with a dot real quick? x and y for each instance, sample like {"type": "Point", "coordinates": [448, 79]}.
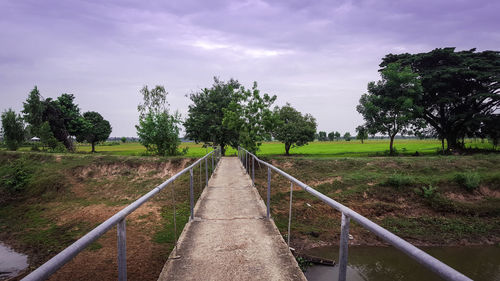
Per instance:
{"type": "Point", "coordinates": [388, 263]}
{"type": "Point", "coordinates": [11, 262]}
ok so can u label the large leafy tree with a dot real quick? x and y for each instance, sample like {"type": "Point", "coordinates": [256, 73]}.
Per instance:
{"type": "Point", "coordinates": [13, 129]}
{"type": "Point", "coordinates": [94, 129]}
{"type": "Point", "coordinates": [158, 130]}
{"type": "Point", "coordinates": [388, 107]}
{"type": "Point", "coordinates": [250, 115]}
{"type": "Point", "coordinates": [293, 128]}
{"type": "Point", "coordinates": [206, 115]}
{"type": "Point", "coordinates": [62, 116]}
{"type": "Point", "coordinates": [459, 88]}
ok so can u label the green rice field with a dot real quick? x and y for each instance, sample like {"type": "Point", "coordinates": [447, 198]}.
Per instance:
{"type": "Point", "coordinates": [314, 149]}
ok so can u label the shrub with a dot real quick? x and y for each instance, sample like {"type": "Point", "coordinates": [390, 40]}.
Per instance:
{"type": "Point", "coordinates": [15, 177]}
{"type": "Point", "coordinates": [468, 180]}
{"type": "Point", "coordinates": [428, 191]}
{"type": "Point", "coordinates": [399, 180]}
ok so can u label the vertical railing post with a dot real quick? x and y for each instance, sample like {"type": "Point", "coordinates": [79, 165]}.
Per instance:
{"type": "Point", "coordinates": [344, 244]}
{"type": "Point", "coordinates": [290, 213]}
{"type": "Point", "coordinates": [201, 186]}
{"type": "Point", "coordinates": [175, 220]}
{"type": "Point", "coordinates": [213, 162]}
{"type": "Point", "coordinates": [268, 192]}
{"type": "Point", "coordinates": [122, 250]}
{"type": "Point", "coordinates": [253, 170]}
{"type": "Point", "coordinates": [206, 172]}
{"type": "Point", "coordinates": [191, 195]}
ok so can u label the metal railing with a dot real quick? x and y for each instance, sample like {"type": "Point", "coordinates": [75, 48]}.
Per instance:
{"type": "Point", "coordinates": [248, 160]}
{"type": "Point", "coordinates": [52, 265]}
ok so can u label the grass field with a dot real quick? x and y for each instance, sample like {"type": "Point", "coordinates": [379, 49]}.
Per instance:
{"type": "Point", "coordinates": [313, 149]}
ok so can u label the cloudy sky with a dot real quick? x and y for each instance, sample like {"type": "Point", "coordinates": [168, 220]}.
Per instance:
{"type": "Point", "coordinates": [317, 55]}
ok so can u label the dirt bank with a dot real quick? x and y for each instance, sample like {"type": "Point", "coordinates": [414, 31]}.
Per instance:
{"type": "Point", "coordinates": [419, 199]}
{"type": "Point", "coordinates": [59, 199]}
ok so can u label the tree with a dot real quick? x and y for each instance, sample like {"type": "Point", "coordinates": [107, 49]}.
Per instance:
{"type": "Point", "coordinates": [158, 130]}
{"type": "Point", "coordinates": [32, 111]}
{"type": "Point", "coordinates": [362, 133]}
{"type": "Point", "coordinates": [293, 128]}
{"type": "Point", "coordinates": [62, 115]}
{"type": "Point", "coordinates": [491, 129]}
{"type": "Point", "coordinates": [13, 129]}
{"type": "Point", "coordinates": [70, 113]}
{"type": "Point", "coordinates": [322, 136]}
{"type": "Point", "coordinates": [250, 115]}
{"type": "Point", "coordinates": [459, 88]}
{"type": "Point", "coordinates": [388, 107]}
{"type": "Point", "coordinates": [337, 135]}
{"type": "Point", "coordinates": [347, 136]}
{"type": "Point", "coordinates": [123, 139]}
{"type": "Point", "coordinates": [93, 129]}
{"type": "Point", "coordinates": [331, 136]}
{"type": "Point", "coordinates": [53, 115]}
{"type": "Point", "coordinates": [206, 115]}
{"type": "Point", "coordinates": [47, 138]}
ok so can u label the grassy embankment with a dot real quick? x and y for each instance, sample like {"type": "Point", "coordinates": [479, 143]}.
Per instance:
{"type": "Point", "coordinates": [49, 201]}
{"type": "Point", "coordinates": [451, 200]}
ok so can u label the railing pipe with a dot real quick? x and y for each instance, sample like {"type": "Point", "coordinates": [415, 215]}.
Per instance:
{"type": "Point", "coordinates": [415, 253]}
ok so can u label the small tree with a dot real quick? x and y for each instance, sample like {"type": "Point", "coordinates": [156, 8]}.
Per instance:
{"type": "Point", "coordinates": [158, 130]}
{"type": "Point", "coordinates": [94, 129]}
{"type": "Point", "coordinates": [250, 115]}
{"type": "Point", "coordinates": [293, 128]}
{"type": "Point", "coordinates": [13, 129]}
{"type": "Point", "coordinates": [347, 136]}
{"type": "Point", "coordinates": [337, 135]}
{"type": "Point", "coordinates": [388, 106]}
{"type": "Point", "coordinates": [123, 139]}
{"type": "Point", "coordinates": [47, 138]}
{"type": "Point", "coordinates": [33, 110]}
{"type": "Point", "coordinates": [322, 136]}
{"type": "Point", "coordinates": [206, 115]}
{"type": "Point", "coordinates": [331, 136]}
{"type": "Point", "coordinates": [362, 133]}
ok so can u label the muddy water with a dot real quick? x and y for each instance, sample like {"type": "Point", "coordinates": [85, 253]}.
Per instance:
{"type": "Point", "coordinates": [11, 262]}
{"type": "Point", "coordinates": [387, 263]}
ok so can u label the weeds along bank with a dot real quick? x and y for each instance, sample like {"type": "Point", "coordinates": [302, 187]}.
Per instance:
{"type": "Point", "coordinates": [49, 201]}
{"type": "Point", "coordinates": [452, 200]}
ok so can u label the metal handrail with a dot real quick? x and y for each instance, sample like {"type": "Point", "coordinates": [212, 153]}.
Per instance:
{"type": "Point", "coordinates": [415, 253]}
{"type": "Point", "coordinates": [52, 265]}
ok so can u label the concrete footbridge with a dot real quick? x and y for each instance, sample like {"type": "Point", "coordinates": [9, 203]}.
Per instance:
{"type": "Point", "coordinates": [230, 237]}
{"type": "Point", "coordinates": [230, 234]}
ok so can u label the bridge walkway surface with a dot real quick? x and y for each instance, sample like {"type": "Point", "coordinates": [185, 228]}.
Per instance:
{"type": "Point", "coordinates": [230, 237]}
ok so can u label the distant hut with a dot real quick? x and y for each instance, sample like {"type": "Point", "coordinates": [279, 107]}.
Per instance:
{"type": "Point", "coordinates": [35, 139]}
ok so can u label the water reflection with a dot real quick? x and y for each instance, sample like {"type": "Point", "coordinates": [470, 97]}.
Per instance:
{"type": "Point", "coordinates": [387, 263]}
{"type": "Point", "coordinates": [11, 262]}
